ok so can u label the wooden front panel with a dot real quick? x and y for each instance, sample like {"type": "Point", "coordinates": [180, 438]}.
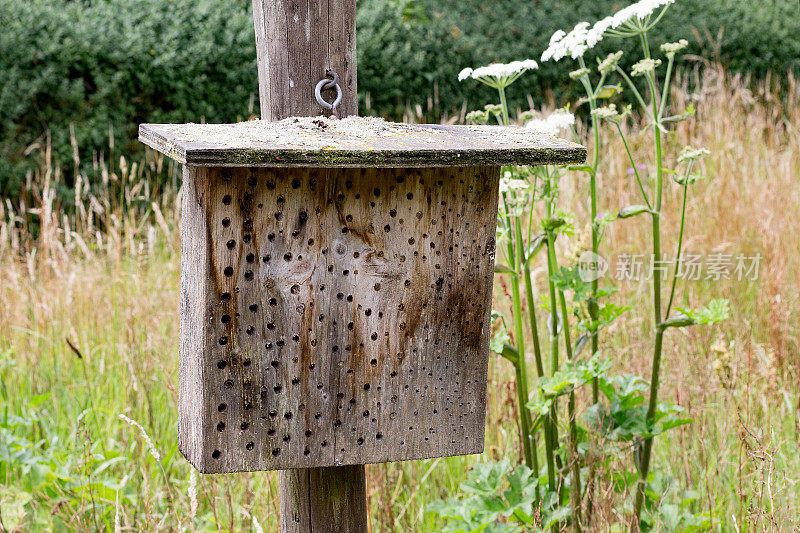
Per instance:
{"type": "Point", "coordinates": [334, 316]}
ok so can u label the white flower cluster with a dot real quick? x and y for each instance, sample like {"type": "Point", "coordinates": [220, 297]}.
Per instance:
{"type": "Point", "coordinates": [644, 66]}
{"type": "Point", "coordinates": [573, 44]}
{"type": "Point", "coordinates": [498, 70]}
{"type": "Point", "coordinates": [640, 10]}
{"type": "Point", "coordinates": [585, 36]}
{"type": "Point", "coordinates": [607, 112]}
{"type": "Point", "coordinates": [673, 48]}
{"type": "Point", "coordinates": [578, 74]}
{"type": "Point", "coordinates": [611, 113]}
{"type": "Point", "coordinates": [477, 117]}
{"type": "Point", "coordinates": [510, 184]}
{"type": "Point", "coordinates": [609, 63]}
{"type": "Point", "coordinates": [691, 154]}
{"type": "Point", "coordinates": [555, 123]}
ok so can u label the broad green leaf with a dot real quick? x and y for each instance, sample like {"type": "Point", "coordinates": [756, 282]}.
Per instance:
{"type": "Point", "coordinates": [558, 515]}
{"type": "Point", "coordinates": [12, 507]}
{"type": "Point", "coordinates": [716, 311]}
{"type": "Point", "coordinates": [489, 504]}
{"type": "Point", "coordinates": [521, 487]}
{"type": "Point", "coordinates": [485, 478]}
{"type": "Point", "coordinates": [499, 340]}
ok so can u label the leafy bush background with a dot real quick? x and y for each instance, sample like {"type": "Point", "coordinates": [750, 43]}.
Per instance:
{"type": "Point", "coordinates": [102, 63]}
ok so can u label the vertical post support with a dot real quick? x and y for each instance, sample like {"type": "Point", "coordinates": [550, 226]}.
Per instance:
{"type": "Point", "coordinates": [331, 499]}
{"type": "Point", "coordinates": [297, 43]}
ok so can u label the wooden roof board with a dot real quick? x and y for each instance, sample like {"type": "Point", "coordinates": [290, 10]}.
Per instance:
{"type": "Point", "coordinates": [355, 142]}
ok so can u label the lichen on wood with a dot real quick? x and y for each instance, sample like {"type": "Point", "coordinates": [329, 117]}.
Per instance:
{"type": "Point", "coordinates": [355, 142]}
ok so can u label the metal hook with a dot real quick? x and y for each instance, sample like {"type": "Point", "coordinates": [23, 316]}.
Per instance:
{"type": "Point", "coordinates": [334, 79]}
{"type": "Point", "coordinates": [325, 84]}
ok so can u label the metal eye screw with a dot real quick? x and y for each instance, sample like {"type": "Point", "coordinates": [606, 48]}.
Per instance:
{"type": "Point", "coordinates": [327, 83]}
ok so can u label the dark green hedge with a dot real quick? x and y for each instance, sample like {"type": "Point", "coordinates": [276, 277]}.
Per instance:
{"type": "Point", "coordinates": [121, 62]}
{"type": "Point", "coordinates": [95, 63]}
{"type": "Point", "coordinates": [437, 38]}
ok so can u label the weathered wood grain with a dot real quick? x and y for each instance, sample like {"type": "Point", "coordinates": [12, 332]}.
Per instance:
{"type": "Point", "coordinates": [355, 142]}
{"type": "Point", "coordinates": [324, 500]}
{"type": "Point", "coordinates": [334, 316]}
{"type": "Point", "coordinates": [297, 42]}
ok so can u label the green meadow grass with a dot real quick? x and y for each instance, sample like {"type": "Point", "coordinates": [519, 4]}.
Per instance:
{"type": "Point", "coordinates": [89, 331]}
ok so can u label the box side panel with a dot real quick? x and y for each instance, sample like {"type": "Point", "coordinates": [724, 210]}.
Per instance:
{"type": "Point", "coordinates": [193, 323]}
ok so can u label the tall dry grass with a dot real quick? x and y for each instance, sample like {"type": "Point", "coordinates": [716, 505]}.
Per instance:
{"type": "Point", "coordinates": [88, 330]}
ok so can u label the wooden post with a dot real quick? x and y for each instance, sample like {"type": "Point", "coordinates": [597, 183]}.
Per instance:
{"type": "Point", "coordinates": [297, 43]}
{"type": "Point", "coordinates": [324, 499]}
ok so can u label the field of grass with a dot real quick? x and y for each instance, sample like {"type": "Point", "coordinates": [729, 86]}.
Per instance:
{"type": "Point", "coordinates": [89, 332]}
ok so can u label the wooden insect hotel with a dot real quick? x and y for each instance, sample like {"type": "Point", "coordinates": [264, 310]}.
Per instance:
{"type": "Point", "coordinates": [336, 274]}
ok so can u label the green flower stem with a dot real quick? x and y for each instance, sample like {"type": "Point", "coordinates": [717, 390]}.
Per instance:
{"type": "Point", "coordinates": [521, 378]}
{"type": "Point", "coordinates": [516, 256]}
{"type": "Point", "coordinates": [678, 253]}
{"type": "Point", "coordinates": [644, 466]}
{"type": "Point", "coordinates": [652, 23]}
{"type": "Point", "coordinates": [591, 94]}
{"type": "Point", "coordinates": [633, 89]}
{"type": "Point", "coordinates": [537, 350]}
{"type": "Point", "coordinates": [665, 90]}
{"type": "Point", "coordinates": [554, 355]}
{"type": "Point", "coordinates": [633, 164]}
{"type": "Point", "coordinates": [536, 466]}
{"type": "Point", "coordinates": [520, 367]}
{"type": "Point", "coordinates": [551, 428]}
{"type": "Point", "coordinates": [595, 237]}
{"type": "Point", "coordinates": [575, 492]}
{"type": "Point", "coordinates": [504, 104]}
{"type": "Point", "coordinates": [548, 444]}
